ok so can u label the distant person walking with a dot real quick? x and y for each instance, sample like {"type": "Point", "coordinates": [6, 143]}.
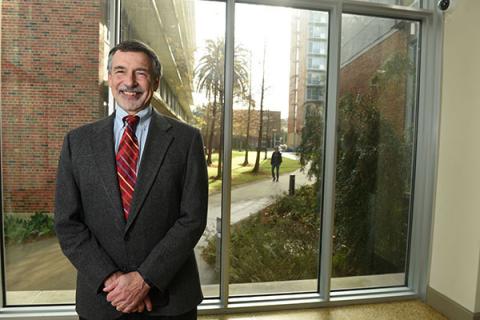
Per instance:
{"type": "Point", "coordinates": [275, 161]}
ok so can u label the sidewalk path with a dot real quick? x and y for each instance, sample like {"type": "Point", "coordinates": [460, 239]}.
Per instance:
{"type": "Point", "coordinates": [252, 197]}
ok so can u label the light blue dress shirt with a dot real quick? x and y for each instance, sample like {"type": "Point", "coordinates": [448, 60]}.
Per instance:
{"type": "Point", "coordinates": [141, 131]}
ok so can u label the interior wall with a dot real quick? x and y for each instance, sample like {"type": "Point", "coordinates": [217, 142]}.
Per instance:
{"type": "Point", "coordinates": [456, 229]}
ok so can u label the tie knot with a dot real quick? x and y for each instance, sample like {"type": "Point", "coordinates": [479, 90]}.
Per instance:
{"type": "Point", "coordinates": [131, 121]}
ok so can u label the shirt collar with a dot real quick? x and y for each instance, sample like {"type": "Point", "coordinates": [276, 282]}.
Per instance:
{"type": "Point", "coordinates": [143, 114]}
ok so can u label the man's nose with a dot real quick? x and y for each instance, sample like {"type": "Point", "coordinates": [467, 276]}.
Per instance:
{"type": "Point", "coordinates": [130, 79]}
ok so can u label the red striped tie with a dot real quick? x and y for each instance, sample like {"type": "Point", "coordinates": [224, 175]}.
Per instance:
{"type": "Point", "coordinates": [127, 159]}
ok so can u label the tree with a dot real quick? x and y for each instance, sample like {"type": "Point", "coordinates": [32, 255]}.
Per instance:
{"type": "Point", "coordinates": [211, 81]}
{"type": "Point", "coordinates": [256, 167]}
{"type": "Point", "coordinates": [251, 105]}
{"type": "Point", "coordinates": [311, 146]}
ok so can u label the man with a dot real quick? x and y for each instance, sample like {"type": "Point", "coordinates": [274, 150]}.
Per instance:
{"type": "Point", "coordinates": [275, 161]}
{"type": "Point", "coordinates": [131, 201]}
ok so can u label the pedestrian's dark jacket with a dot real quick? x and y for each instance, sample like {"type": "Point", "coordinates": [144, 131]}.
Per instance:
{"type": "Point", "coordinates": [276, 158]}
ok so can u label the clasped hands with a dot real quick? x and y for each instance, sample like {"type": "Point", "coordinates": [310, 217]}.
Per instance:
{"type": "Point", "coordinates": [128, 292]}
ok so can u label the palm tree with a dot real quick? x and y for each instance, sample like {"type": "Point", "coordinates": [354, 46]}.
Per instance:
{"type": "Point", "coordinates": [210, 80]}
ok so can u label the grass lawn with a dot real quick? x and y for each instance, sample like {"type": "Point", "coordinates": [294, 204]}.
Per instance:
{"type": "Point", "coordinates": [241, 174]}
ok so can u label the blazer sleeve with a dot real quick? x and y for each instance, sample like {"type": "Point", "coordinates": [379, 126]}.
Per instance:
{"type": "Point", "coordinates": [168, 256]}
{"type": "Point", "coordinates": [77, 242]}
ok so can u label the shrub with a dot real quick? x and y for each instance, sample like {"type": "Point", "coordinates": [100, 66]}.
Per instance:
{"type": "Point", "coordinates": [19, 229]}
{"type": "Point", "coordinates": [278, 243]}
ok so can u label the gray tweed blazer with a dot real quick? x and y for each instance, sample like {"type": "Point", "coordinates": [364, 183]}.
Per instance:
{"type": "Point", "coordinates": [167, 218]}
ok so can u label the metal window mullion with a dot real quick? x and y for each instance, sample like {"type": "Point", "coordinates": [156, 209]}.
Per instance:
{"type": "Point", "coordinates": [296, 4]}
{"type": "Point", "coordinates": [330, 151]}
{"type": "Point", "coordinates": [227, 154]}
{"type": "Point", "coordinates": [384, 10]}
{"type": "Point", "coordinates": [427, 152]}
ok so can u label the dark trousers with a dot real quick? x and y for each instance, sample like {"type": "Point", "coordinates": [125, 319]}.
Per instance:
{"type": "Point", "coordinates": [191, 315]}
{"type": "Point", "coordinates": [275, 170]}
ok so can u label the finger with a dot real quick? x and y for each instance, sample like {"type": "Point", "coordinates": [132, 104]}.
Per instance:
{"type": "Point", "coordinates": [113, 295]}
{"type": "Point", "coordinates": [141, 307]}
{"type": "Point", "coordinates": [129, 309]}
{"type": "Point", "coordinates": [148, 303]}
{"type": "Point", "coordinates": [109, 287]}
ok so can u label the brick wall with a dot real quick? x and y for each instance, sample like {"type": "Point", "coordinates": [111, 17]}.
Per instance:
{"type": "Point", "coordinates": [49, 85]}
{"type": "Point", "coordinates": [355, 77]}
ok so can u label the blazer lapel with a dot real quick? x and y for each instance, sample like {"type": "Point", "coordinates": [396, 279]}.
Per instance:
{"type": "Point", "coordinates": [104, 150]}
{"type": "Point", "coordinates": [156, 146]}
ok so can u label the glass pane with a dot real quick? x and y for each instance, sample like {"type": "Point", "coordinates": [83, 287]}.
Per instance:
{"type": "Point", "coordinates": [376, 130]}
{"type": "Point", "coordinates": [53, 79]}
{"type": "Point", "coordinates": [188, 38]}
{"type": "Point", "coordinates": [275, 208]}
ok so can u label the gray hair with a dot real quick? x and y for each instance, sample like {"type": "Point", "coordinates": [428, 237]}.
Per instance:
{"type": "Point", "coordinates": [137, 46]}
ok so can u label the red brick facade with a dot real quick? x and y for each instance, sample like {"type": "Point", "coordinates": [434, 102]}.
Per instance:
{"type": "Point", "coordinates": [355, 77]}
{"type": "Point", "coordinates": [49, 85]}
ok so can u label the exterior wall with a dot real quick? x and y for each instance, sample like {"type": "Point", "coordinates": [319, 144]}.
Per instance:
{"type": "Point", "coordinates": [455, 257]}
{"type": "Point", "coordinates": [172, 36]}
{"type": "Point", "coordinates": [299, 55]}
{"type": "Point", "coordinates": [355, 77]}
{"type": "Point", "coordinates": [295, 53]}
{"type": "Point", "coordinates": [49, 84]}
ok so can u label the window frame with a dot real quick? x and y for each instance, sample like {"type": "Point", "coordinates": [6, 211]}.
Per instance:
{"type": "Point", "coordinates": [424, 170]}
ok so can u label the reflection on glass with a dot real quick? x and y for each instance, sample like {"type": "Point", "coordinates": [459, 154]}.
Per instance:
{"type": "Point", "coordinates": [51, 83]}
{"type": "Point", "coordinates": [377, 100]}
{"type": "Point", "coordinates": [188, 38]}
{"type": "Point", "coordinates": [274, 234]}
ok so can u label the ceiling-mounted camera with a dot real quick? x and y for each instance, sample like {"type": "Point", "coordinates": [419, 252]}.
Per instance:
{"type": "Point", "coordinates": [444, 4]}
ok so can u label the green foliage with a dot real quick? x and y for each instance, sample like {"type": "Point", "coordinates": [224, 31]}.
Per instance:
{"type": "Point", "coordinates": [18, 229]}
{"type": "Point", "coordinates": [279, 243]}
{"type": "Point", "coordinates": [370, 213]}
{"type": "Point", "coordinates": [372, 178]}
{"type": "Point", "coordinates": [311, 147]}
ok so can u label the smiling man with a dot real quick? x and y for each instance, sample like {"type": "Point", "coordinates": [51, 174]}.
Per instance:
{"type": "Point", "coordinates": [131, 201]}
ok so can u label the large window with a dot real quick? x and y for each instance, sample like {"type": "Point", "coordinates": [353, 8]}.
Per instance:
{"type": "Point", "coordinates": [191, 48]}
{"type": "Point", "coordinates": [52, 80]}
{"type": "Point", "coordinates": [275, 219]}
{"type": "Point", "coordinates": [338, 94]}
{"type": "Point", "coordinates": [376, 108]}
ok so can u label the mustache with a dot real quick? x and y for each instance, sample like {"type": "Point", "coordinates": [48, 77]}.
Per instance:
{"type": "Point", "coordinates": [131, 89]}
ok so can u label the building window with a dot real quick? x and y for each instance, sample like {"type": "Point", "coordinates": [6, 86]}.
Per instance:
{"type": "Point", "coordinates": [279, 91]}
{"type": "Point", "coordinates": [317, 47]}
{"type": "Point", "coordinates": [374, 98]}
{"type": "Point", "coordinates": [316, 63]}
{"type": "Point", "coordinates": [315, 78]}
{"type": "Point", "coordinates": [313, 93]}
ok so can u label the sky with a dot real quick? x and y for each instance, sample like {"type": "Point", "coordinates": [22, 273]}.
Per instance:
{"type": "Point", "coordinates": [255, 26]}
